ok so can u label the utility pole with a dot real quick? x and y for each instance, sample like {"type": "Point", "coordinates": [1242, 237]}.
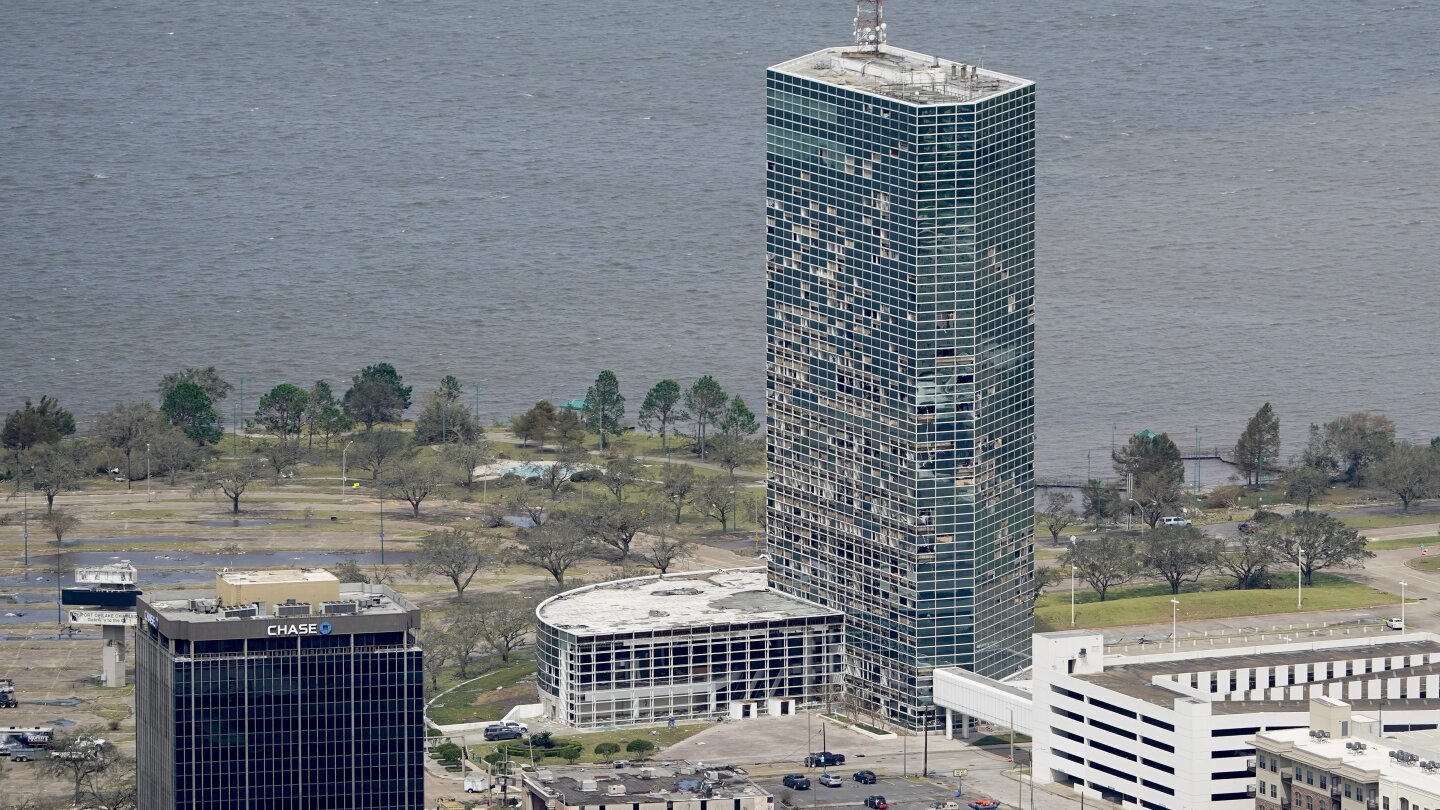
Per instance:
{"type": "Point", "coordinates": [382, 526]}
{"type": "Point", "coordinates": [25, 532]}
{"type": "Point", "coordinates": [925, 757]}
{"type": "Point", "coordinates": [148, 493]}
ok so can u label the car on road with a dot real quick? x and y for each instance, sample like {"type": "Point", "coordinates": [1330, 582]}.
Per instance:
{"type": "Point", "coordinates": [1174, 520]}
{"type": "Point", "coordinates": [796, 781]}
{"type": "Point", "coordinates": [945, 806]}
{"type": "Point", "coordinates": [865, 777]}
{"type": "Point", "coordinates": [831, 780]}
{"type": "Point", "coordinates": [1394, 623]}
{"type": "Point", "coordinates": [493, 733]}
{"type": "Point", "coordinates": [524, 729]}
{"type": "Point", "coordinates": [1249, 527]}
{"type": "Point", "coordinates": [824, 759]}
{"type": "Point", "coordinates": [877, 803]}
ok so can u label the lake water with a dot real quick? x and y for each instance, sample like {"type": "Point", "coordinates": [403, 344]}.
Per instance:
{"type": "Point", "coordinates": [1239, 201]}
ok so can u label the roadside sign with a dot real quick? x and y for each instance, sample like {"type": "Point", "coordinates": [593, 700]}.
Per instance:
{"type": "Point", "coordinates": [960, 773]}
{"type": "Point", "coordinates": [125, 618]}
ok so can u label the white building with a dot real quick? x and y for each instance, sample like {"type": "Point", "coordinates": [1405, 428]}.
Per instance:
{"type": "Point", "coordinates": [1174, 729]}
{"type": "Point", "coordinates": [683, 646]}
{"type": "Point", "coordinates": [643, 787]}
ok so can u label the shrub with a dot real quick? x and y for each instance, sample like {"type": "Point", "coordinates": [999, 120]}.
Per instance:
{"type": "Point", "coordinates": [606, 751]}
{"type": "Point", "coordinates": [639, 747]}
{"type": "Point", "coordinates": [448, 752]}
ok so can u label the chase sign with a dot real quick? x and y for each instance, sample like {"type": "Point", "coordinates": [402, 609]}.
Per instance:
{"type": "Point", "coordinates": [302, 629]}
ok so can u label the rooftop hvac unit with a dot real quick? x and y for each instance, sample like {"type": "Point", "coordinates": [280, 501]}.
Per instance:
{"type": "Point", "coordinates": [687, 770]}
{"type": "Point", "coordinates": [589, 785]}
{"type": "Point", "coordinates": [545, 775]}
{"type": "Point", "coordinates": [647, 773]}
{"type": "Point", "coordinates": [245, 612]}
{"type": "Point", "coordinates": [338, 607]}
{"type": "Point", "coordinates": [292, 610]}
{"type": "Point", "coordinates": [615, 790]}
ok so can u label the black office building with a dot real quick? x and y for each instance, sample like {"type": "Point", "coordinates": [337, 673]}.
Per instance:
{"type": "Point", "coordinates": [280, 690]}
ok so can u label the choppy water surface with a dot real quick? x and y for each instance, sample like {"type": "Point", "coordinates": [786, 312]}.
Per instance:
{"type": "Point", "coordinates": [1239, 200]}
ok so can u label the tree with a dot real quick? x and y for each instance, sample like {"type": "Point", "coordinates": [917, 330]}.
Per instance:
{"type": "Point", "coordinates": [1057, 514]}
{"type": "Point", "coordinates": [1102, 501]}
{"type": "Point", "coordinates": [1318, 454]}
{"type": "Point", "coordinates": [323, 416]}
{"type": "Point", "coordinates": [739, 422]}
{"type": "Point", "coordinates": [54, 468]}
{"type": "Point", "coordinates": [376, 395]}
{"type": "Point", "coordinates": [1258, 444]}
{"type": "Point", "coordinates": [349, 571]}
{"type": "Point", "coordinates": [468, 456]}
{"type": "Point", "coordinates": [113, 788]}
{"type": "Point", "coordinates": [456, 554]}
{"type": "Point", "coordinates": [569, 431]}
{"type": "Point", "coordinates": [1358, 440]}
{"type": "Point", "coordinates": [1250, 562]}
{"type": "Point", "coordinates": [716, 498]}
{"type": "Point", "coordinates": [534, 423]}
{"type": "Point", "coordinates": [207, 378]}
{"type": "Point", "coordinates": [616, 524]}
{"type": "Point", "coordinates": [381, 448]}
{"type": "Point", "coordinates": [1408, 471]}
{"type": "Point", "coordinates": [28, 426]}
{"type": "Point", "coordinates": [1043, 578]}
{"type": "Point", "coordinates": [619, 476]}
{"type": "Point", "coordinates": [661, 409]}
{"type": "Point", "coordinates": [450, 388]}
{"type": "Point", "coordinates": [282, 410]}
{"type": "Point", "coordinates": [445, 418]}
{"type": "Point", "coordinates": [415, 479]}
{"type": "Point", "coordinates": [733, 452]}
{"type": "Point", "coordinates": [606, 751]}
{"type": "Point", "coordinates": [172, 451]}
{"type": "Point", "coordinates": [435, 639]}
{"type": "Point", "coordinates": [1180, 554]}
{"type": "Point", "coordinates": [1149, 454]}
{"type": "Point", "coordinates": [1156, 495]}
{"type": "Point", "coordinates": [1103, 562]}
{"type": "Point", "coordinates": [129, 427]}
{"type": "Point", "coordinates": [232, 479]}
{"type": "Point", "coordinates": [664, 550]}
{"type": "Point", "coordinates": [639, 748]}
{"type": "Point", "coordinates": [60, 523]}
{"type": "Point", "coordinates": [281, 456]}
{"type": "Point", "coordinates": [1306, 483]}
{"type": "Point", "coordinates": [677, 482]}
{"type": "Point", "coordinates": [525, 503]}
{"type": "Point", "coordinates": [1314, 541]}
{"type": "Point", "coordinates": [502, 620]}
{"type": "Point", "coordinates": [555, 478]}
{"type": "Point", "coordinates": [189, 408]}
{"type": "Point", "coordinates": [77, 758]}
{"type": "Point", "coordinates": [604, 406]}
{"type": "Point", "coordinates": [555, 546]}
{"type": "Point", "coordinates": [706, 402]}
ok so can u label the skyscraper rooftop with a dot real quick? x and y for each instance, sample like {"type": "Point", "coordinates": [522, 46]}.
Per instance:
{"type": "Point", "coordinates": [908, 76]}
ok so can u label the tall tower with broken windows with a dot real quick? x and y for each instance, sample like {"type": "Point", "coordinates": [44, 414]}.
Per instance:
{"type": "Point", "coordinates": [900, 193]}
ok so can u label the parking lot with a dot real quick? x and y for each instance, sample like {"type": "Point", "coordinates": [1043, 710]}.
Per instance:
{"type": "Point", "coordinates": [900, 793]}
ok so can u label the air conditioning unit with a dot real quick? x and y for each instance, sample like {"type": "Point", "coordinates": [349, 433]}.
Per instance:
{"type": "Point", "coordinates": [647, 773]}
{"type": "Point", "coordinates": [615, 790]}
{"type": "Point", "coordinates": [246, 612]}
{"type": "Point", "coordinates": [292, 610]}
{"type": "Point", "coordinates": [331, 608]}
{"type": "Point", "coordinates": [589, 785]}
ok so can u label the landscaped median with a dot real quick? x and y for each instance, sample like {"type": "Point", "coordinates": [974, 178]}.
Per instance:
{"type": "Point", "coordinates": [1208, 599]}
{"type": "Point", "coordinates": [580, 747]}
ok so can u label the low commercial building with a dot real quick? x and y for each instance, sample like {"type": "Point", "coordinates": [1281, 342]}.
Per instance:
{"type": "Point", "coordinates": [684, 646]}
{"type": "Point", "coordinates": [279, 690]}
{"type": "Point", "coordinates": [643, 787]}
{"type": "Point", "coordinates": [1174, 728]}
{"type": "Point", "coordinates": [1338, 761]}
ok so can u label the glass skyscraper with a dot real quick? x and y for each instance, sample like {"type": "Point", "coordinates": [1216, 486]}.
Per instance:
{"type": "Point", "coordinates": [283, 703]}
{"type": "Point", "coordinates": [900, 194]}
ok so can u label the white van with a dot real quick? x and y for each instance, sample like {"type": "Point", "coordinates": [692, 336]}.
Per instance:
{"type": "Point", "coordinates": [1174, 520]}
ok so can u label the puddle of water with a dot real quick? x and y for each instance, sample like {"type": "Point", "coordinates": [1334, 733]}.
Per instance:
{"type": "Point", "coordinates": [518, 520]}
{"type": "Point", "coordinates": [239, 523]}
{"type": "Point", "coordinates": [136, 539]}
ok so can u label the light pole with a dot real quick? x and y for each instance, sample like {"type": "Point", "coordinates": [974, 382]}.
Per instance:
{"type": "Point", "coordinates": [147, 472]}
{"type": "Point", "coordinates": [1300, 579]}
{"type": "Point", "coordinates": [1402, 606]}
{"type": "Point", "coordinates": [342, 466]}
{"type": "Point", "coordinates": [1072, 597]}
{"type": "Point", "coordinates": [25, 532]}
{"type": "Point", "coordinates": [382, 526]}
{"type": "Point", "coordinates": [1174, 625]}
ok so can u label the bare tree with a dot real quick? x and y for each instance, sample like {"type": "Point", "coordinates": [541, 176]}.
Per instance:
{"type": "Point", "coordinates": [555, 477]}
{"type": "Point", "coordinates": [468, 456]}
{"type": "Point", "coordinates": [527, 503]}
{"type": "Point", "coordinates": [502, 620]}
{"type": "Point", "coordinates": [1180, 554]}
{"type": "Point", "coordinates": [456, 554]}
{"type": "Point", "coordinates": [349, 571]}
{"type": "Point", "coordinates": [1250, 562]}
{"type": "Point", "coordinates": [60, 523]}
{"type": "Point", "coordinates": [128, 426]}
{"type": "Point", "coordinates": [113, 788]}
{"type": "Point", "coordinates": [1057, 514]}
{"type": "Point", "coordinates": [555, 547]}
{"type": "Point", "coordinates": [616, 525]}
{"type": "Point", "coordinates": [1045, 577]}
{"type": "Point", "coordinates": [677, 482]}
{"type": "Point", "coordinates": [1410, 472]}
{"type": "Point", "coordinates": [439, 649]}
{"type": "Point", "coordinates": [380, 448]}
{"type": "Point", "coordinates": [172, 451]}
{"type": "Point", "coordinates": [619, 476]}
{"type": "Point", "coordinates": [665, 550]}
{"type": "Point", "coordinates": [281, 456]}
{"type": "Point", "coordinates": [1103, 562]}
{"type": "Point", "coordinates": [716, 499]}
{"type": "Point", "coordinates": [54, 468]}
{"type": "Point", "coordinates": [232, 480]}
{"type": "Point", "coordinates": [78, 757]}
{"type": "Point", "coordinates": [1305, 483]}
{"type": "Point", "coordinates": [413, 480]}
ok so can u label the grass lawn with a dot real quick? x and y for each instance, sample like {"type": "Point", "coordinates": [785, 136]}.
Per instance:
{"type": "Point", "coordinates": [1426, 564]}
{"type": "Point", "coordinates": [1387, 521]}
{"type": "Point", "coordinates": [662, 737]}
{"type": "Point", "coordinates": [1150, 604]}
{"type": "Point", "coordinates": [1404, 542]}
{"type": "Point", "coordinates": [1001, 739]}
{"type": "Point", "coordinates": [486, 698]}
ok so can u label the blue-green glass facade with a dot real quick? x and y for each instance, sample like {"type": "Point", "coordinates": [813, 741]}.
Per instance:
{"type": "Point", "coordinates": [900, 303]}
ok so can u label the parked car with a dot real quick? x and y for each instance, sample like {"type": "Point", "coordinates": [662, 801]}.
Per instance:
{"type": "Point", "coordinates": [877, 803]}
{"type": "Point", "coordinates": [524, 729]}
{"type": "Point", "coordinates": [493, 733]}
{"type": "Point", "coordinates": [796, 781]}
{"type": "Point", "coordinates": [1174, 520]}
{"type": "Point", "coordinates": [1394, 623]}
{"type": "Point", "coordinates": [984, 804]}
{"type": "Point", "coordinates": [865, 777]}
{"type": "Point", "coordinates": [824, 759]}
{"type": "Point", "coordinates": [945, 806]}
{"type": "Point", "coordinates": [831, 780]}
{"type": "Point", "coordinates": [1249, 527]}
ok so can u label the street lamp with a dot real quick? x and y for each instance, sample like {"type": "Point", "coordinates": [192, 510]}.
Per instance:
{"type": "Point", "coordinates": [26, 530]}
{"type": "Point", "coordinates": [1402, 606]}
{"type": "Point", "coordinates": [1072, 597]}
{"type": "Point", "coordinates": [1300, 579]}
{"type": "Point", "coordinates": [342, 466]}
{"type": "Point", "coordinates": [147, 472]}
{"type": "Point", "coordinates": [1175, 625]}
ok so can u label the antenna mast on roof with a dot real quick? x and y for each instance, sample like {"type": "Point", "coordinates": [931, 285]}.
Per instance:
{"type": "Point", "coordinates": [869, 25]}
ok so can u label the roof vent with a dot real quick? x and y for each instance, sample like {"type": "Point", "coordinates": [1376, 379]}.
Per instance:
{"type": "Point", "coordinates": [589, 785]}
{"type": "Point", "coordinates": [338, 607]}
